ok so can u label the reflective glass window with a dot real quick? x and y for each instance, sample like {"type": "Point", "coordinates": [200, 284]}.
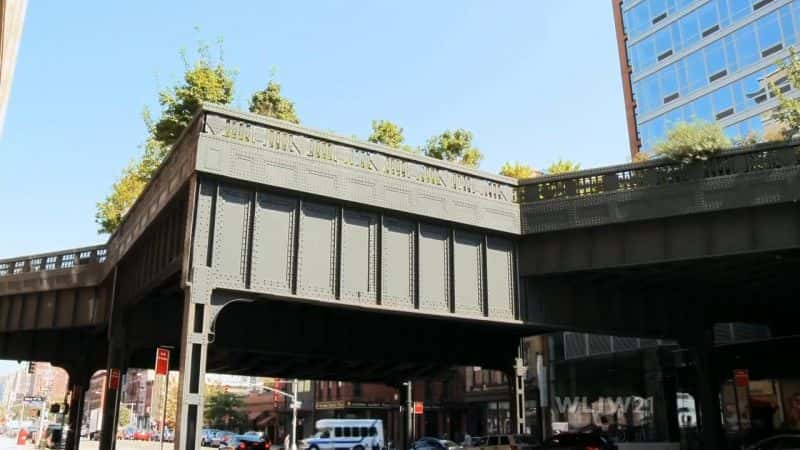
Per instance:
{"type": "Point", "coordinates": [753, 89]}
{"type": "Point", "coordinates": [739, 100]}
{"type": "Point", "coordinates": [787, 25]}
{"type": "Point", "coordinates": [707, 14]}
{"type": "Point", "coordinates": [640, 18]}
{"type": "Point", "coordinates": [723, 100]}
{"type": "Point", "coordinates": [696, 71]}
{"type": "Point", "coordinates": [673, 117]}
{"type": "Point", "coordinates": [669, 81]}
{"type": "Point", "coordinates": [715, 58]}
{"type": "Point", "coordinates": [724, 13]}
{"type": "Point", "coordinates": [683, 82]}
{"type": "Point", "coordinates": [689, 29]}
{"type": "Point", "coordinates": [730, 54]}
{"type": "Point", "coordinates": [646, 53]}
{"type": "Point", "coordinates": [653, 98]}
{"type": "Point", "coordinates": [769, 33]}
{"type": "Point", "coordinates": [675, 31]}
{"type": "Point", "coordinates": [657, 8]}
{"type": "Point", "coordinates": [688, 112]}
{"type": "Point", "coordinates": [755, 125]}
{"type": "Point", "coordinates": [746, 47]}
{"type": "Point", "coordinates": [733, 131]}
{"type": "Point", "coordinates": [683, 3]}
{"type": "Point", "coordinates": [739, 9]}
{"type": "Point", "coordinates": [663, 42]}
{"type": "Point", "coordinates": [658, 130]}
{"type": "Point", "coordinates": [702, 109]}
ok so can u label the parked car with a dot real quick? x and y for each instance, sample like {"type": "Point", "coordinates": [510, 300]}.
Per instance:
{"type": "Point", "coordinates": [126, 433]}
{"type": "Point", "coordinates": [428, 443]}
{"type": "Point", "coordinates": [141, 435]}
{"type": "Point", "coordinates": [450, 445]}
{"type": "Point", "coordinates": [779, 441]}
{"type": "Point", "coordinates": [207, 435]}
{"type": "Point", "coordinates": [221, 437]}
{"type": "Point", "coordinates": [506, 442]}
{"type": "Point", "coordinates": [245, 442]}
{"type": "Point", "coordinates": [579, 441]}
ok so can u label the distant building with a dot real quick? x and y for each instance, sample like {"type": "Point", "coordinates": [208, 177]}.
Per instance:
{"type": "Point", "coordinates": [703, 59]}
{"type": "Point", "coordinates": [12, 16]}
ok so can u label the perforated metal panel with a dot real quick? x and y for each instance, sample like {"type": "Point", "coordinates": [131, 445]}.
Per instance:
{"type": "Point", "coordinates": [273, 242]}
{"type": "Point", "coordinates": [398, 263]}
{"type": "Point", "coordinates": [434, 268]}
{"type": "Point", "coordinates": [468, 276]}
{"type": "Point", "coordinates": [574, 345]}
{"type": "Point", "coordinates": [599, 344]}
{"type": "Point", "coordinates": [622, 344]}
{"type": "Point", "coordinates": [500, 277]}
{"type": "Point", "coordinates": [232, 225]}
{"type": "Point", "coordinates": [316, 266]}
{"type": "Point", "coordinates": [359, 247]}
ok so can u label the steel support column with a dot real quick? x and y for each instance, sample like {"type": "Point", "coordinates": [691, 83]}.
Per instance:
{"type": "Point", "coordinates": [115, 367]}
{"type": "Point", "coordinates": [78, 394]}
{"type": "Point", "coordinates": [708, 390]}
{"type": "Point", "coordinates": [194, 350]}
{"type": "Point", "coordinates": [517, 384]}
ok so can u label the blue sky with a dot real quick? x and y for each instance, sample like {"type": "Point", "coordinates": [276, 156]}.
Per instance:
{"type": "Point", "coordinates": [534, 80]}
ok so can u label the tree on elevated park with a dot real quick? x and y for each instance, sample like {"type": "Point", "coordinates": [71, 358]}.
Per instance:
{"type": "Point", "coordinates": [455, 146]}
{"type": "Point", "coordinates": [562, 166]}
{"type": "Point", "coordinates": [787, 114]}
{"type": "Point", "coordinates": [205, 79]}
{"type": "Point", "coordinates": [518, 170]}
{"type": "Point", "coordinates": [692, 141]}
{"type": "Point", "coordinates": [270, 103]}
{"type": "Point", "coordinates": [386, 133]}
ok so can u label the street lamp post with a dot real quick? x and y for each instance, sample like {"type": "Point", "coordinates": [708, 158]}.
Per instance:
{"type": "Point", "coordinates": [295, 407]}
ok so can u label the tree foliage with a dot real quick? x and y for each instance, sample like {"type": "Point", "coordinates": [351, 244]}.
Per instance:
{"type": "Point", "coordinates": [455, 146]}
{"type": "Point", "coordinates": [269, 102]}
{"type": "Point", "coordinates": [125, 417]}
{"type": "Point", "coordinates": [224, 410]}
{"type": "Point", "coordinates": [204, 80]}
{"type": "Point", "coordinates": [788, 111]}
{"type": "Point", "coordinates": [693, 141]}
{"type": "Point", "coordinates": [386, 133]}
{"type": "Point", "coordinates": [563, 166]}
{"type": "Point", "coordinates": [518, 170]}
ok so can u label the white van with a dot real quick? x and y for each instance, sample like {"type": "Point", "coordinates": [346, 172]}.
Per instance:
{"type": "Point", "coordinates": [347, 434]}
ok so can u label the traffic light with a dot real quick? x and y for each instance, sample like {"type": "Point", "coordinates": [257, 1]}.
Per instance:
{"type": "Point", "coordinates": [31, 367]}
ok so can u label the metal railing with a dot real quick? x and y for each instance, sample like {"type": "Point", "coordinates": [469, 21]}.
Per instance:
{"type": "Point", "coordinates": [64, 259]}
{"type": "Point", "coordinates": [659, 172]}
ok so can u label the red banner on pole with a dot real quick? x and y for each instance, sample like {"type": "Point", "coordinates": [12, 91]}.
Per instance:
{"type": "Point", "coordinates": [162, 361]}
{"type": "Point", "coordinates": [741, 377]}
{"type": "Point", "coordinates": [419, 408]}
{"type": "Point", "coordinates": [113, 379]}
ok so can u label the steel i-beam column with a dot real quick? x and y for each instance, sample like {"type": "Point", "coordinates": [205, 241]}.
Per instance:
{"type": "Point", "coordinates": [708, 390]}
{"type": "Point", "coordinates": [194, 349]}
{"type": "Point", "coordinates": [516, 382]}
{"type": "Point", "coordinates": [114, 369]}
{"type": "Point", "coordinates": [78, 391]}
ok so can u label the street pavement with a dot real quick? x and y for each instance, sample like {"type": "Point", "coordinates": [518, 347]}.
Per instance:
{"type": "Point", "coordinates": [11, 444]}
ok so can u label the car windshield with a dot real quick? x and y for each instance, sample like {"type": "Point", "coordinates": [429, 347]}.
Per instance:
{"type": "Point", "coordinates": [249, 438]}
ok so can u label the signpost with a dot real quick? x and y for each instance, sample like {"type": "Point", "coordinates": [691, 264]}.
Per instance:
{"type": "Point", "coordinates": [162, 368]}
{"type": "Point", "coordinates": [113, 379]}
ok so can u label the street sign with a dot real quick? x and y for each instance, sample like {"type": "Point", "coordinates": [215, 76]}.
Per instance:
{"type": "Point", "coordinates": [113, 379]}
{"type": "Point", "coordinates": [419, 408]}
{"type": "Point", "coordinates": [33, 399]}
{"type": "Point", "coordinates": [298, 404]}
{"type": "Point", "coordinates": [162, 361]}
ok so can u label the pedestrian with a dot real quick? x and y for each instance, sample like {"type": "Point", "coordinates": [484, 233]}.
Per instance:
{"type": "Point", "coordinates": [287, 441]}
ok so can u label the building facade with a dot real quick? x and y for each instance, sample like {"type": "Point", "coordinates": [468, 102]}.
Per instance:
{"type": "Point", "coordinates": [708, 60]}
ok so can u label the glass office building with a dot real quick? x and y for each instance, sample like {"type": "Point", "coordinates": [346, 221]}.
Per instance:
{"type": "Point", "coordinates": [702, 59]}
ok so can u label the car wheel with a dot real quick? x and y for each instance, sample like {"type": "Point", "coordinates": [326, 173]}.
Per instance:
{"type": "Point", "coordinates": [313, 447]}
{"type": "Point", "coordinates": [358, 447]}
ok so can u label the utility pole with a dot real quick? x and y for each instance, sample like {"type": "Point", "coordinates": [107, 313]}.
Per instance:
{"type": "Point", "coordinates": [295, 407]}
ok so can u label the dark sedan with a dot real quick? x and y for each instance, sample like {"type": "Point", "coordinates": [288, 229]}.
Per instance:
{"type": "Point", "coordinates": [579, 441]}
{"type": "Point", "coordinates": [245, 442]}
